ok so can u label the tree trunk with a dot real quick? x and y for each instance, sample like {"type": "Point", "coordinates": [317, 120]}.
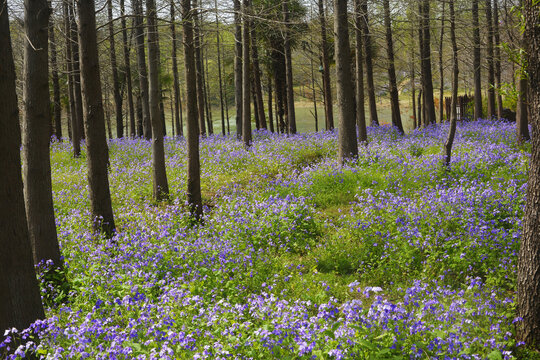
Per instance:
{"type": "Point", "coordinates": [477, 68]}
{"type": "Point", "coordinates": [159, 173]}
{"type": "Point", "coordinates": [78, 116]}
{"type": "Point", "coordinates": [141, 65]}
{"type": "Point", "coordinates": [327, 85]}
{"type": "Point", "coordinates": [291, 115]}
{"type": "Point", "coordinates": [455, 78]}
{"type": "Point", "coordinates": [56, 85]}
{"type": "Point", "coordinates": [270, 104]}
{"type": "Point", "coordinates": [116, 81]}
{"type": "Point", "coordinates": [313, 94]}
{"type": "Point", "coordinates": [528, 277]}
{"type": "Point", "coordinates": [348, 146]}
{"type": "Point", "coordinates": [127, 65]}
{"type": "Point", "coordinates": [69, 71]}
{"type": "Point", "coordinates": [257, 81]}
{"type": "Point", "coordinates": [246, 78]}
{"type": "Point", "coordinates": [218, 46]}
{"type": "Point", "coordinates": [427, 79]}
{"type": "Point", "coordinates": [374, 119]}
{"type": "Point", "coordinates": [394, 95]}
{"type": "Point", "coordinates": [360, 98]}
{"type": "Point", "coordinates": [497, 37]}
{"type": "Point", "coordinates": [193, 163]}
{"type": "Point", "coordinates": [199, 65]}
{"type": "Point", "coordinates": [491, 70]}
{"type": "Point", "coordinates": [522, 113]}
{"type": "Point", "coordinates": [36, 124]}
{"type": "Point", "coordinates": [96, 143]}
{"type": "Point", "coordinates": [176, 81]}
{"type": "Point", "coordinates": [441, 68]}
{"type": "Point", "coordinates": [20, 303]}
{"type": "Point", "coordinates": [238, 92]}
{"type": "Point", "coordinates": [209, 117]}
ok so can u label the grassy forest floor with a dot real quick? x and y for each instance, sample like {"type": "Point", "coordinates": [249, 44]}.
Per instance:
{"type": "Point", "coordinates": [388, 257]}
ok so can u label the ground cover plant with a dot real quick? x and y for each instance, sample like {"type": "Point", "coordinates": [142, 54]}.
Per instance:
{"type": "Point", "coordinates": [387, 257]}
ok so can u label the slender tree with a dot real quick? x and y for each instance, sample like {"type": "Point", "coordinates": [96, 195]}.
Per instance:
{"type": "Point", "coordinates": [69, 71]}
{"type": "Point", "coordinates": [200, 75]}
{"type": "Point", "coordinates": [476, 62]}
{"type": "Point", "coordinates": [441, 67]}
{"type": "Point", "coordinates": [491, 108]}
{"type": "Point", "coordinates": [246, 76]}
{"type": "Point", "coordinates": [427, 79]}
{"type": "Point", "coordinates": [56, 84]}
{"type": "Point", "coordinates": [394, 94]}
{"type": "Point", "coordinates": [218, 46]}
{"type": "Point", "coordinates": [497, 39]}
{"type": "Point", "coordinates": [20, 303]}
{"type": "Point", "coordinates": [455, 78]}
{"type": "Point", "coordinates": [348, 146]}
{"type": "Point", "coordinates": [528, 277]}
{"type": "Point", "coordinates": [327, 86]}
{"type": "Point", "coordinates": [141, 66]}
{"type": "Point", "coordinates": [159, 173]}
{"type": "Point", "coordinates": [374, 119]}
{"type": "Point", "coordinates": [291, 114]}
{"type": "Point", "coordinates": [238, 92]}
{"type": "Point", "coordinates": [77, 126]}
{"type": "Point", "coordinates": [127, 66]}
{"type": "Point", "coordinates": [359, 56]}
{"type": "Point", "coordinates": [257, 94]}
{"type": "Point", "coordinates": [193, 165]}
{"type": "Point", "coordinates": [37, 119]}
{"type": "Point", "coordinates": [116, 81]}
{"type": "Point", "coordinates": [176, 81]}
{"type": "Point", "coordinates": [96, 142]}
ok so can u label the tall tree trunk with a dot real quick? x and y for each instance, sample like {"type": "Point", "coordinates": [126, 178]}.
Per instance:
{"type": "Point", "coordinates": [127, 65]}
{"type": "Point", "coordinates": [374, 119]}
{"type": "Point", "coordinates": [427, 85]}
{"type": "Point", "coordinates": [394, 95]}
{"type": "Point", "coordinates": [497, 37]}
{"type": "Point", "coordinates": [36, 122]}
{"type": "Point", "coordinates": [413, 82]}
{"type": "Point", "coordinates": [193, 162]}
{"type": "Point", "coordinates": [348, 145]}
{"type": "Point", "coordinates": [200, 78]}
{"type": "Point", "coordinates": [141, 65]}
{"type": "Point", "coordinates": [313, 94]}
{"type": "Point", "coordinates": [453, 116]}
{"type": "Point", "coordinates": [78, 117]}
{"type": "Point", "coordinates": [176, 81]}
{"type": "Point", "coordinates": [96, 143]}
{"type": "Point", "coordinates": [246, 78]}
{"type": "Point", "coordinates": [56, 85]}
{"type": "Point", "coordinates": [477, 68]}
{"type": "Point", "coordinates": [522, 111]}
{"type": "Point", "coordinates": [69, 72]}
{"type": "Point", "coordinates": [528, 276]}
{"type": "Point", "coordinates": [360, 98]}
{"type": "Point", "coordinates": [116, 82]}
{"type": "Point", "coordinates": [258, 96]}
{"type": "Point", "coordinates": [20, 303]}
{"type": "Point", "coordinates": [238, 92]}
{"type": "Point", "coordinates": [159, 173]}
{"type": "Point", "coordinates": [291, 115]}
{"type": "Point", "coordinates": [207, 96]}
{"type": "Point", "coordinates": [270, 105]}
{"type": "Point", "coordinates": [327, 85]}
{"type": "Point", "coordinates": [491, 70]}
{"type": "Point", "coordinates": [218, 46]}
{"type": "Point", "coordinates": [441, 68]}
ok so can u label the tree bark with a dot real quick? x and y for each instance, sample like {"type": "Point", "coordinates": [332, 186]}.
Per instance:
{"type": "Point", "coordinates": [176, 82]}
{"type": "Point", "coordinates": [20, 303]}
{"type": "Point", "coordinates": [238, 93]}
{"type": "Point", "coordinates": [327, 85]}
{"type": "Point", "coordinates": [441, 67]}
{"type": "Point", "coordinates": [218, 46]}
{"type": "Point", "coordinates": [291, 115]}
{"type": "Point", "coordinates": [427, 79]}
{"type": "Point", "coordinates": [127, 65]}
{"type": "Point", "coordinates": [116, 82]}
{"type": "Point", "coordinates": [491, 70]}
{"type": "Point", "coordinates": [159, 173]}
{"type": "Point", "coordinates": [270, 104]}
{"type": "Point", "coordinates": [77, 125]}
{"type": "Point", "coordinates": [522, 112]}
{"type": "Point", "coordinates": [141, 65]}
{"type": "Point", "coordinates": [96, 142]}
{"type": "Point", "coordinates": [193, 162]}
{"type": "Point", "coordinates": [394, 95]}
{"type": "Point", "coordinates": [56, 85]}
{"type": "Point", "coordinates": [36, 124]}
{"type": "Point", "coordinates": [455, 78]}
{"type": "Point", "coordinates": [348, 146]}
{"type": "Point", "coordinates": [374, 119]}
{"type": "Point", "coordinates": [477, 68]}
{"type": "Point", "coordinates": [257, 81]}
{"type": "Point", "coordinates": [246, 78]}
{"type": "Point", "coordinates": [497, 37]}
{"type": "Point", "coordinates": [199, 65]}
{"type": "Point", "coordinates": [360, 97]}
{"type": "Point", "coordinates": [528, 277]}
